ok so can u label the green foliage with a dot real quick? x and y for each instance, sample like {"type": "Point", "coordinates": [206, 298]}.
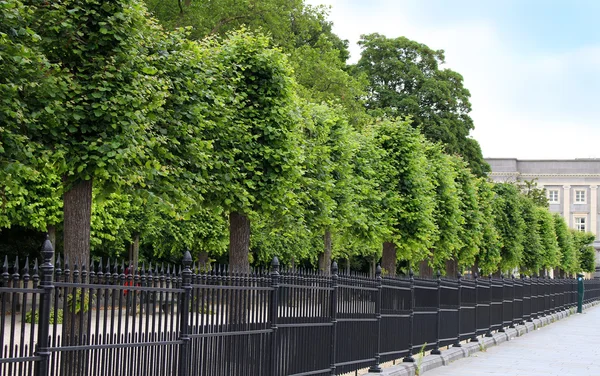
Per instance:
{"type": "Point", "coordinates": [582, 242]}
{"type": "Point", "coordinates": [531, 260]}
{"type": "Point", "coordinates": [489, 257]}
{"type": "Point", "coordinates": [405, 79]}
{"type": "Point", "coordinates": [568, 252]}
{"type": "Point", "coordinates": [79, 301]}
{"type": "Point", "coordinates": [509, 224]}
{"type": "Point", "coordinates": [255, 153]}
{"type": "Point", "coordinates": [31, 89]}
{"type": "Point", "coordinates": [54, 314]}
{"type": "Point", "coordinates": [408, 201]}
{"type": "Point", "coordinates": [471, 232]}
{"type": "Point", "coordinates": [548, 238]}
{"type": "Point", "coordinates": [537, 195]}
{"type": "Point", "coordinates": [447, 213]}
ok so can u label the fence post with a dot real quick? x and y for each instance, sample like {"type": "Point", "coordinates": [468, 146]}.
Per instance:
{"type": "Point", "coordinates": [514, 304]}
{"type": "Point", "coordinates": [334, 304]}
{"type": "Point", "coordinates": [186, 285]}
{"type": "Point", "coordinates": [459, 305]}
{"type": "Point", "coordinates": [436, 350]}
{"type": "Point", "coordinates": [376, 368]}
{"type": "Point", "coordinates": [474, 338]}
{"type": "Point", "coordinates": [273, 313]}
{"type": "Point", "coordinates": [489, 331]}
{"type": "Point", "coordinates": [43, 351]}
{"type": "Point", "coordinates": [409, 357]}
{"type": "Point", "coordinates": [501, 330]}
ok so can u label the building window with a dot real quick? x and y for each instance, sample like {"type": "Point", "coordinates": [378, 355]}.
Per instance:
{"type": "Point", "coordinates": [553, 196]}
{"type": "Point", "coordinates": [580, 196]}
{"type": "Point", "coordinates": [580, 224]}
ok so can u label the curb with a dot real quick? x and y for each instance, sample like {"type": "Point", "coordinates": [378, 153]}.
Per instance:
{"type": "Point", "coordinates": [448, 356]}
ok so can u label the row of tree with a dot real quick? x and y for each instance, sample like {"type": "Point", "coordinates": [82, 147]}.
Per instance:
{"type": "Point", "coordinates": [123, 134]}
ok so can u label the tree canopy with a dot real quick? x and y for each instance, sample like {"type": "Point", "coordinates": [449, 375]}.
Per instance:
{"type": "Point", "coordinates": [405, 78]}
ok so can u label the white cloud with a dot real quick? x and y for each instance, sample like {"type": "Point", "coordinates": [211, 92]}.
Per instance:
{"type": "Point", "coordinates": [524, 105]}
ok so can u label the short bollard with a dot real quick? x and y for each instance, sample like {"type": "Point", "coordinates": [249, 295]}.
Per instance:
{"type": "Point", "coordinates": [580, 292]}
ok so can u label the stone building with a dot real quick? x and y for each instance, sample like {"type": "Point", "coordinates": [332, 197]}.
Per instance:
{"type": "Point", "coordinates": [571, 186]}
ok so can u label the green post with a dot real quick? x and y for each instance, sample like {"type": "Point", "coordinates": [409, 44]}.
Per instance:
{"type": "Point", "coordinates": [580, 292]}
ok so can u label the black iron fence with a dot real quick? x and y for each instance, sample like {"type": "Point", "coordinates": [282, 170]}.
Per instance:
{"type": "Point", "coordinates": [104, 319]}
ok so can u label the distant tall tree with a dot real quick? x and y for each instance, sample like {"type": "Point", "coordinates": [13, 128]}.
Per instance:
{"type": "Point", "coordinates": [406, 79]}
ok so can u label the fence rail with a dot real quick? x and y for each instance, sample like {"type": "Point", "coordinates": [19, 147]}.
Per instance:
{"type": "Point", "coordinates": [105, 319]}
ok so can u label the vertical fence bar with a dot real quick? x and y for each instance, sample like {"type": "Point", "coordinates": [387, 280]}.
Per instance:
{"type": "Point", "coordinates": [409, 357]}
{"type": "Point", "coordinates": [334, 304]}
{"type": "Point", "coordinates": [273, 313]}
{"type": "Point", "coordinates": [184, 347]}
{"type": "Point", "coordinates": [436, 350]}
{"type": "Point", "coordinates": [376, 368]}
{"type": "Point", "coordinates": [458, 309]}
{"type": "Point", "coordinates": [42, 366]}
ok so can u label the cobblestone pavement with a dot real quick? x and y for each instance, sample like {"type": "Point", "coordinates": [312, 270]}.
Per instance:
{"type": "Point", "coordinates": [569, 347]}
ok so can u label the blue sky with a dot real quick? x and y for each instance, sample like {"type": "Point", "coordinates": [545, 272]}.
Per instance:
{"type": "Point", "coordinates": [532, 66]}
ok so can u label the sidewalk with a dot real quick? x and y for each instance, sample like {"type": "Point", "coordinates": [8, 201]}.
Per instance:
{"type": "Point", "coordinates": [568, 347]}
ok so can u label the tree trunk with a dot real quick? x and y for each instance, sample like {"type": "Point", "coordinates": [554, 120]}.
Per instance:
{"type": "Point", "coordinates": [373, 268]}
{"type": "Point", "coordinates": [388, 258]}
{"type": "Point", "coordinates": [77, 206]}
{"type": "Point", "coordinates": [239, 243]}
{"type": "Point", "coordinates": [325, 257]}
{"type": "Point", "coordinates": [77, 203]}
{"type": "Point", "coordinates": [134, 251]}
{"type": "Point", "coordinates": [475, 270]}
{"type": "Point", "coordinates": [451, 268]}
{"type": "Point", "coordinates": [348, 266]}
{"type": "Point", "coordinates": [425, 271]}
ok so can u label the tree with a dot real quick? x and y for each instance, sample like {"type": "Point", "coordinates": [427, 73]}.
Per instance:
{"type": "Point", "coordinates": [471, 232]}
{"type": "Point", "coordinates": [405, 79]}
{"type": "Point", "coordinates": [568, 256]}
{"type": "Point", "coordinates": [326, 182]}
{"type": "Point", "coordinates": [548, 239]}
{"type": "Point", "coordinates": [489, 257]}
{"type": "Point", "coordinates": [530, 190]}
{"type": "Point", "coordinates": [408, 202]}
{"type": "Point", "coordinates": [255, 145]}
{"type": "Point", "coordinates": [510, 225]}
{"type": "Point", "coordinates": [586, 256]}
{"type": "Point", "coordinates": [31, 90]}
{"type": "Point", "coordinates": [317, 55]}
{"type": "Point", "coordinates": [447, 213]}
{"type": "Point", "coordinates": [531, 259]}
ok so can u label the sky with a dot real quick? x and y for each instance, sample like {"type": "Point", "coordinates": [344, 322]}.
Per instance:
{"type": "Point", "coordinates": [532, 66]}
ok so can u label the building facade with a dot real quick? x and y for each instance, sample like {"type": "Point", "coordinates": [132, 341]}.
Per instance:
{"type": "Point", "coordinates": [571, 187]}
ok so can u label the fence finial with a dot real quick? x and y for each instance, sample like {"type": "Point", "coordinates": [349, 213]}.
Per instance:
{"type": "Point", "coordinates": [275, 265]}
{"type": "Point", "coordinates": [47, 249]}
{"type": "Point", "coordinates": [334, 268]}
{"type": "Point", "coordinates": [187, 259]}
{"type": "Point", "coordinates": [438, 274]}
{"type": "Point", "coordinates": [378, 271]}
{"type": "Point", "coordinates": [411, 273]}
